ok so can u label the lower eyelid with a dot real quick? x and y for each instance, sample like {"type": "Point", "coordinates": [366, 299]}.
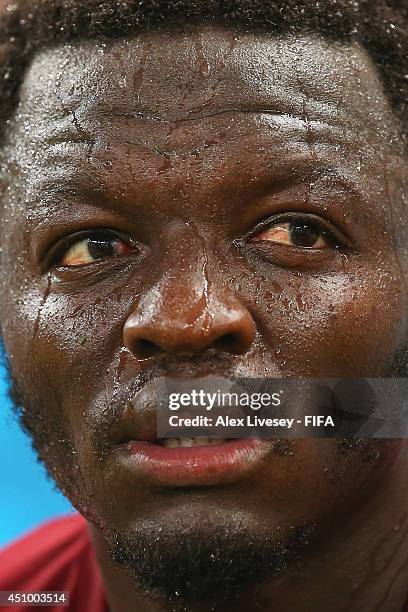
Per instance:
{"type": "Point", "coordinates": [291, 257]}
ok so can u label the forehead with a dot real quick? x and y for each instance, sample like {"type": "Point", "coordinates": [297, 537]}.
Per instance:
{"type": "Point", "coordinates": [169, 76]}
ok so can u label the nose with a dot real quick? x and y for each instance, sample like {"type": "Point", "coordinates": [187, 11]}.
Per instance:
{"type": "Point", "coordinates": [178, 322]}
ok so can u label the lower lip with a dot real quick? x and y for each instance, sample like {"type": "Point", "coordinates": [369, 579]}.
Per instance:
{"type": "Point", "coordinates": [195, 465]}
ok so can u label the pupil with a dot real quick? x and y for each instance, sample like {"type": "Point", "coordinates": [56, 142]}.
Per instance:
{"type": "Point", "coordinates": [99, 248]}
{"type": "Point", "coordinates": [303, 234]}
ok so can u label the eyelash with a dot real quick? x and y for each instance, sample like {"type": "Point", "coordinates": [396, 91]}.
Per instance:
{"type": "Point", "coordinates": [334, 236]}
{"type": "Point", "coordinates": [63, 247]}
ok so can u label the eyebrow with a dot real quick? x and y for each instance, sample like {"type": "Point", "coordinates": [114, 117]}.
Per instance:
{"type": "Point", "coordinates": [96, 190]}
{"type": "Point", "coordinates": [313, 172]}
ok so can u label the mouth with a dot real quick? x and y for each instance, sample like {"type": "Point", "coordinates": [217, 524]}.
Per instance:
{"type": "Point", "coordinates": [184, 461]}
{"type": "Point", "coordinates": [188, 462]}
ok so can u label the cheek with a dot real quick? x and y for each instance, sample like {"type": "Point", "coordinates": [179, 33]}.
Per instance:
{"type": "Point", "coordinates": [65, 353]}
{"type": "Point", "coordinates": [334, 326]}
{"type": "Point", "coordinates": [370, 329]}
{"type": "Point", "coordinates": [367, 326]}
{"type": "Point", "coordinates": [319, 482]}
{"type": "Point", "coordinates": [64, 347]}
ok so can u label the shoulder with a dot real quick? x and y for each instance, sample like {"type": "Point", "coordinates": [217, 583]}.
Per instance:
{"type": "Point", "coordinates": [58, 556]}
{"type": "Point", "coordinates": [39, 555]}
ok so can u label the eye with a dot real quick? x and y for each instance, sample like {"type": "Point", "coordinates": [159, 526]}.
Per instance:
{"type": "Point", "coordinates": [92, 247]}
{"type": "Point", "coordinates": [298, 232]}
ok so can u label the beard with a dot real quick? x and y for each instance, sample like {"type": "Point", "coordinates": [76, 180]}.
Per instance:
{"type": "Point", "coordinates": [204, 567]}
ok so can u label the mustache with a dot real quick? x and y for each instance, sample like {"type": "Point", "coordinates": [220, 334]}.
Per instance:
{"type": "Point", "coordinates": [116, 415]}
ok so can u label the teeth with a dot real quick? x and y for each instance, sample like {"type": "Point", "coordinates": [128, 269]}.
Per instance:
{"type": "Point", "coordinates": [186, 441]}
{"type": "Point", "coordinates": [171, 443]}
{"type": "Point", "coordinates": [189, 442]}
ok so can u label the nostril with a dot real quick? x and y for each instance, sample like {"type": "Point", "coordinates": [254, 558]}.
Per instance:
{"type": "Point", "coordinates": [147, 335]}
{"type": "Point", "coordinates": [143, 348]}
{"type": "Point", "coordinates": [230, 343]}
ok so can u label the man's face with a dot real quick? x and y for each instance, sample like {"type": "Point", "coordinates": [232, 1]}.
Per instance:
{"type": "Point", "coordinates": [193, 204]}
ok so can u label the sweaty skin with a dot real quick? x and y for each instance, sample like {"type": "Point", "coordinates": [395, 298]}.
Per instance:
{"type": "Point", "coordinates": [185, 145]}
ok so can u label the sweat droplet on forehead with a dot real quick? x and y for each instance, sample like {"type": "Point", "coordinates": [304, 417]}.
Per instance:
{"type": "Point", "coordinates": [303, 77]}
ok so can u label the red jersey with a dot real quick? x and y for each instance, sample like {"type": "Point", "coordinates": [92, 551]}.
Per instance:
{"type": "Point", "coordinates": [56, 557]}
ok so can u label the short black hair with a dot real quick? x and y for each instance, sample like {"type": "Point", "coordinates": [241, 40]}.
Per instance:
{"type": "Point", "coordinates": [380, 26]}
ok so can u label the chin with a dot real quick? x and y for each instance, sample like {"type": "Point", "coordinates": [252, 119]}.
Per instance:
{"type": "Point", "coordinates": [184, 558]}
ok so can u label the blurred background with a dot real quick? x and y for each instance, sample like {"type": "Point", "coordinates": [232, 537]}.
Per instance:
{"type": "Point", "coordinates": [28, 497]}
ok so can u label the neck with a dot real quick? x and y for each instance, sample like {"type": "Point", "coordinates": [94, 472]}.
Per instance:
{"type": "Point", "coordinates": [359, 564]}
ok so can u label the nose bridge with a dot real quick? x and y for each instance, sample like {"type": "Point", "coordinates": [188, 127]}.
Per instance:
{"type": "Point", "coordinates": [188, 308]}
{"type": "Point", "coordinates": [180, 294]}
{"type": "Point", "coordinates": [180, 297]}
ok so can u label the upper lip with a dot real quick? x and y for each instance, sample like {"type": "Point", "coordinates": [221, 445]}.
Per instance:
{"type": "Point", "coordinates": [138, 419]}
{"type": "Point", "coordinates": [125, 417]}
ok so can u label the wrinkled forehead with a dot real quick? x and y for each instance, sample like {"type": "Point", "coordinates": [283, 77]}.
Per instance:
{"type": "Point", "coordinates": [174, 76]}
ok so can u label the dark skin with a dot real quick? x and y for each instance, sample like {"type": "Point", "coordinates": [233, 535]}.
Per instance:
{"type": "Point", "coordinates": [198, 151]}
